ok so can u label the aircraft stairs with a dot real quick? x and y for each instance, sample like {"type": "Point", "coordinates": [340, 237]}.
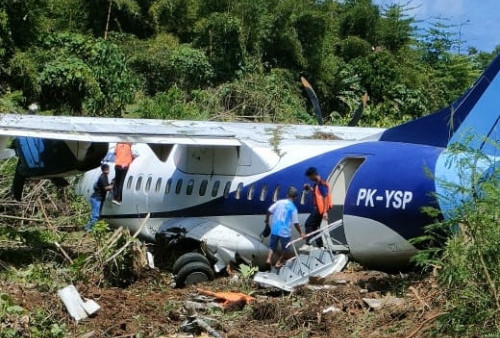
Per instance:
{"type": "Point", "coordinates": [317, 262]}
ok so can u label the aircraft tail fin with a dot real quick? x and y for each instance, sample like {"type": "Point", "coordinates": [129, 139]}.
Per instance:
{"type": "Point", "coordinates": [477, 113]}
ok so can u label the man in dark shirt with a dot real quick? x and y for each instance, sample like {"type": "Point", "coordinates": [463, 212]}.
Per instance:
{"type": "Point", "coordinates": [322, 203]}
{"type": "Point", "coordinates": [101, 188]}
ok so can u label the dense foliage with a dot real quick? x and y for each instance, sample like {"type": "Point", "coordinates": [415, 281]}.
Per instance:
{"type": "Point", "coordinates": [468, 257]}
{"type": "Point", "coordinates": [228, 59]}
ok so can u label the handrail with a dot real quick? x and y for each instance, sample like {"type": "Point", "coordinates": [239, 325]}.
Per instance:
{"type": "Point", "coordinates": [329, 227]}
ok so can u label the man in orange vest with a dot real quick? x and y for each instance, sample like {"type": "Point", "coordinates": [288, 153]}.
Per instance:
{"type": "Point", "coordinates": [123, 158]}
{"type": "Point", "coordinates": [322, 202]}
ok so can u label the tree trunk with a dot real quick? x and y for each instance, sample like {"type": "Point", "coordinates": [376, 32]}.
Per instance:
{"type": "Point", "coordinates": [108, 18]}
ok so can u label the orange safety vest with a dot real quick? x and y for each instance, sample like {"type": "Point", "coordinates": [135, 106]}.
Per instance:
{"type": "Point", "coordinates": [318, 198]}
{"type": "Point", "coordinates": [123, 154]}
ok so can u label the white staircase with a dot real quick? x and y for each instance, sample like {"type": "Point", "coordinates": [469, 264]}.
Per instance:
{"type": "Point", "coordinates": [317, 262]}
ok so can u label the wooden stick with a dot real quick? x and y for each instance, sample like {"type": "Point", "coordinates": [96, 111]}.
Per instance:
{"type": "Point", "coordinates": [421, 301]}
{"type": "Point", "coordinates": [65, 254]}
{"type": "Point", "coordinates": [19, 218]}
{"type": "Point", "coordinates": [131, 240]}
{"type": "Point", "coordinates": [44, 213]}
{"type": "Point", "coordinates": [111, 241]}
{"type": "Point", "coordinates": [414, 333]}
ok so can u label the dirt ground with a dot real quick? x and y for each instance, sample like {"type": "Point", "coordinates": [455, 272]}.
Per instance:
{"type": "Point", "coordinates": [151, 307]}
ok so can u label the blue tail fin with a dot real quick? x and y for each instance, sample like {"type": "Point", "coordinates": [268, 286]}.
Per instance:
{"type": "Point", "coordinates": [477, 112]}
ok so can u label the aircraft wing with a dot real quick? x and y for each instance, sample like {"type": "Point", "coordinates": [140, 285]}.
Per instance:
{"type": "Point", "coordinates": [106, 130]}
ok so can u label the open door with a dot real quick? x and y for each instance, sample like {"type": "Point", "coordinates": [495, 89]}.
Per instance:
{"type": "Point", "coordinates": [339, 181]}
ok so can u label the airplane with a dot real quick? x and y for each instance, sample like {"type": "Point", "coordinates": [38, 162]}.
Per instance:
{"type": "Point", "coordinates": [206, 186]}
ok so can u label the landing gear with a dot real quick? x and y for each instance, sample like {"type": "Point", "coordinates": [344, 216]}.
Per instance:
{"type": "Point", "coordinates": [192, 268]}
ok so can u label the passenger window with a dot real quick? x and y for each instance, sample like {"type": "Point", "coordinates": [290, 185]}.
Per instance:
{"type": "Point", "coordinates": [189, 188]}
{"type": "Point", "coordinates": [129, 182]}
{"type": "Point", "coordinates": [158, 185]}
{"type": "Point", "coordinates": [168, 186]}
{"type": "Point", "coordinates": [138, 183]}
{"type": "Point", "coordinates": [215, 189]}
{"type": "Point", "coordinates": [178, 186]}
{"type": "Point", "coordinates": [303, 197]}
{"type": "Point", "coordinates": [251, 191]}
{"type": "Point", "coordinates": [263, 192]}
{"type": "Point", "coordinates": [203, 187]}
{"type": "Point", "coordinates": [276, 194]}
{"type": "Point", "coordinates": [238, 191]}
{"type": "Point", "coordinates": [148, 184]}
{"type": "Point", "coordinates": [227, 189]}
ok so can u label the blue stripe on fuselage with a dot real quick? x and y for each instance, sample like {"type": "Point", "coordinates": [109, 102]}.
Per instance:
{"type": "Point", "coordinates": [388, 166]}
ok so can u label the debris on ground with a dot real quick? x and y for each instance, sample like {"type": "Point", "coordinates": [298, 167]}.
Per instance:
{"type": "Point", "coordinates": [377, 304]}
{"type": "Point", "coordinates": [196, 325]}
{"type": "Point", "coordinates": [230, 300]}
{"type": "Point", "coordinates": [331, 309]}
{"type": "Point", "coordinates": [76, 306]}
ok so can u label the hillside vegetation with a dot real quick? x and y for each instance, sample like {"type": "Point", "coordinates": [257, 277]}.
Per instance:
{"type": "Point", "coordinates": [236, 60]}
{"type": "Point", "coordinates": [228, 59]}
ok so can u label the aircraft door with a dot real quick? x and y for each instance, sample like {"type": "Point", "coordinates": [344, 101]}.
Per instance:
{"type": "Point", "coordinates": [339, 180]}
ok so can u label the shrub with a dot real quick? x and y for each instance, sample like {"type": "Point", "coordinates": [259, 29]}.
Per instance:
{"type": "Point", "coordinates": [469, 260]}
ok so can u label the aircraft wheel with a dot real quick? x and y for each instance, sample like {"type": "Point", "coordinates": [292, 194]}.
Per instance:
{"type": "Point", "coordinates": [188, 258]}
{"type": "Point", "coordinates": [193, 273]}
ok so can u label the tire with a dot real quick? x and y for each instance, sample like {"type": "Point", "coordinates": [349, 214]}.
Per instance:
{"type": "Point", "coordinates": [187, 258]}
{"type": "Point", "coordinates": [193, 273]}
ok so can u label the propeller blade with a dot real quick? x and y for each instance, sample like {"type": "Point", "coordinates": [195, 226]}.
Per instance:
{"type": "Point", "coordinates": [359, 112]}
{"type": "Point", "coordinates": [313, 98]}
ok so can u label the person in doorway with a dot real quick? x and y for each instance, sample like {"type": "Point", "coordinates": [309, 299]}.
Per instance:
{"type": "Point", "coordinates": [322, 203]}
{"type": "Point", "coordinates": [101, 188]}
{"type": "Point", "coordinates": [284, 214]}
{"type": "Point", "coordinates": [123, 159]}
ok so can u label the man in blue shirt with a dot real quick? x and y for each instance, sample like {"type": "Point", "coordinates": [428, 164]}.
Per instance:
{"type": "Point", "coordinates": [284, 214]}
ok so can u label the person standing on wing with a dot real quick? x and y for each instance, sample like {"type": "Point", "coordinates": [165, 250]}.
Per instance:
{"type": "Point", "coordinates": [123, 159]}
{"type": "Point", "coordinates": [101, 188]}
{"type": "Point", "coordinates": [284, 214]}
{"type": "Point", "coordinates": [322, 203]}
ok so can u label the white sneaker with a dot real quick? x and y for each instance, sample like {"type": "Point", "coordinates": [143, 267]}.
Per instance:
{"type": "Point", "coordinates": [306, 247]}
{"type": "Point", "coordinates": [116, 202]}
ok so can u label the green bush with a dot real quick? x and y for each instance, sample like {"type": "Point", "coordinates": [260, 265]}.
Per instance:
{"type": "Point", "coordinates": [172, 104]}
{"type": "Point", "coordinates": [469, 260]}
{"type": "Point", "coordinates": [188, 68]}
{"type": "Point", "coordinates": [84, 75]}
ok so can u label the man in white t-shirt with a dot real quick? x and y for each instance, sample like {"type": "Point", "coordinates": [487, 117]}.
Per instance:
{"type": "Point", "coordinates": [284, 214]}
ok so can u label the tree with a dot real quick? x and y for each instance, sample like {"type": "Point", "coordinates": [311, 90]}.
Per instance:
{"type": "Point", "coordinates": [219, 36]}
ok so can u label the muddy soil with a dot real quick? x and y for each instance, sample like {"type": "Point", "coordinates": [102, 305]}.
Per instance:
{"type": "Point", "coordinates": [151, 307]}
